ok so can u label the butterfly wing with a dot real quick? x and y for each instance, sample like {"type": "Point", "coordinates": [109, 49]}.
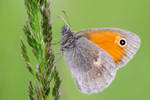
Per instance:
{"type": "Point", "coordinates": [91, 67]}
{"type": "Point", "coordinates": [107, 39]}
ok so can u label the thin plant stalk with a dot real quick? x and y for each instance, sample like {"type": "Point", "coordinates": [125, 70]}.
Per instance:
{"type": "Point", "coordinates": [38, 31]}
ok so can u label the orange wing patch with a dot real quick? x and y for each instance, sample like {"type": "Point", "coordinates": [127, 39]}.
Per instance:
{"type": "Point", "coordinates": [108, 41]}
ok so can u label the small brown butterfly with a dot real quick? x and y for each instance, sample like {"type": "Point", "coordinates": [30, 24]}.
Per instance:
{"type": "Point", "coordinates": [94, 55]}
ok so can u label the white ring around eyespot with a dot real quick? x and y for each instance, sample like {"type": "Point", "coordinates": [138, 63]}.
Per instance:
{"type": "Point", "coordinates": [124, 40]}
{"type": "Point", "coordinates": [118, 39]}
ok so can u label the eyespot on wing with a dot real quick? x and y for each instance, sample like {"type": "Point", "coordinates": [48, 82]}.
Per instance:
{"type": "Point", "coordinates": [109, 40]}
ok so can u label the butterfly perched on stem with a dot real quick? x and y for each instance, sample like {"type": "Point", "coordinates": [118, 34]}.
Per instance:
{"type": "Point", "coordinates": [93, 56]}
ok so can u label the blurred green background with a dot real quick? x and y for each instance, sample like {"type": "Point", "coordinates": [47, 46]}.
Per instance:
{"type": "Point", "coordinates": [131, 83]}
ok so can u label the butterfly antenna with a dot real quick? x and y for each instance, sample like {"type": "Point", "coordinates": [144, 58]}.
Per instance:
{"type": "Point", "coordinates": [62, 18]}
{"type": "Point", "coordinates": [66, 19]}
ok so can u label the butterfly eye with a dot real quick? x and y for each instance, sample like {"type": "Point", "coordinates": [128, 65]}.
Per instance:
{"type": "Point", "coordinates": [122, 42]}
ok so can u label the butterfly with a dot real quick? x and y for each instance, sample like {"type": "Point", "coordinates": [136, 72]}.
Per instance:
{"type": "Point", "coordinates": [93, 56]}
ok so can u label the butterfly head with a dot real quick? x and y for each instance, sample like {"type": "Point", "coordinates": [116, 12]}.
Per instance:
{"type": "Point", "coordinates": [68, 39]}
{"type": "Point", "coordinates": [66, 31]}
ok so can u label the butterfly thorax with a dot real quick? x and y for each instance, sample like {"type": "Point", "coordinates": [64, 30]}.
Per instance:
{"type": "Point", "coordinates": [68, 39]}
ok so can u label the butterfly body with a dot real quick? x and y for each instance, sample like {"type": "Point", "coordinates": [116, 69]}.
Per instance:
{"type": "Point", "coordinates": [93, 56]}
